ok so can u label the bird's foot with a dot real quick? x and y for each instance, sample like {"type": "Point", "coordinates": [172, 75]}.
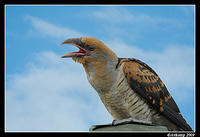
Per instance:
{"type": "Point", "coordinates": [130, 120]}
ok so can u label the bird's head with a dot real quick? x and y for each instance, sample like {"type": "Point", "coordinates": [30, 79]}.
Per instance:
{"type": "Point", "coordinates": [90, 50]}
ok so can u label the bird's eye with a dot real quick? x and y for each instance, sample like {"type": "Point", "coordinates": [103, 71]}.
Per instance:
{"type": "Point", "coordinates": [91, 48]}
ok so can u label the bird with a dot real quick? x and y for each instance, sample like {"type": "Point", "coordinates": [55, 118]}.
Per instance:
{"type": "Point", "coordinates": [129, 89]}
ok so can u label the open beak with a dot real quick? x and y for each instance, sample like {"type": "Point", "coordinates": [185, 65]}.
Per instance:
{"type": "Point", "coordinates": [76, 42]}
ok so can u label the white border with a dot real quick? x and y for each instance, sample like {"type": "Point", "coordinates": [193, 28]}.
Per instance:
{"type": "Point", "coordinates": [93, 5]}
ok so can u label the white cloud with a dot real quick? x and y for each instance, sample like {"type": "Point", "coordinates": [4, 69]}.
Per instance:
{"type": "Point", "coordinates": [51, 30]}
{"type": "Point", "coordinates": [121, 15]}
{"type": "Point", "coordinates": [129, 23]}
{"type": "Point", "coordinates": [52, 96]}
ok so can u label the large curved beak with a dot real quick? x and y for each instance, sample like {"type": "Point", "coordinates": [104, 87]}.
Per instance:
{"type": "Point", "coordinates": [73, 41]}
{"type": "Point", "coordinates": [76, 42]}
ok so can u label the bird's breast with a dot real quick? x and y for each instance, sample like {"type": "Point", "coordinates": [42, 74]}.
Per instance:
{"type": "Point", "coordinates": [101, 83]}
{"type": "Point", "coordinates": [101, 76]}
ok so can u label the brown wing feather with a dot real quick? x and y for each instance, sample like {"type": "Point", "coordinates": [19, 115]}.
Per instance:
{"type": "Point", "coordinates": [144, 80]}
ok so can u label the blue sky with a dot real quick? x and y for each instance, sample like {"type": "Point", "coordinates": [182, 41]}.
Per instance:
{"type": "Point", "coordinates": [47, 93]}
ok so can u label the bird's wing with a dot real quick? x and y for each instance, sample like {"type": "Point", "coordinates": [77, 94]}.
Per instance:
{"type": "Point", "coordinates": [145, 82]}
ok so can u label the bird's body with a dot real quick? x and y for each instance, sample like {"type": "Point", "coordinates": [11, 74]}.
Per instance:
{"type": "Point", "coordinates": [120, 100]}
{"type": "Point", "coordinates": [127, 87]}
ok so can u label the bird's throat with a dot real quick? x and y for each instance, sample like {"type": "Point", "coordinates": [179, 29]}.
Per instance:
{"type": "Point", "coordinates": [101, 75]}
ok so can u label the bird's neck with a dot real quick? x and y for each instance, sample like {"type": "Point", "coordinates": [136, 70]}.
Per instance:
{"type": "Point", "coordinates": [101, 74]}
